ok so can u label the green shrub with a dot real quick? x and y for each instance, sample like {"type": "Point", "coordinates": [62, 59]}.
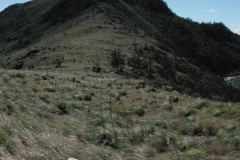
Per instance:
{"type": "Point", "coordinates": [160, 143]}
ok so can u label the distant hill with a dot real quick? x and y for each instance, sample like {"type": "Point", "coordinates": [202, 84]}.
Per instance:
{"type": "Point", "coordinates": [156, 43]}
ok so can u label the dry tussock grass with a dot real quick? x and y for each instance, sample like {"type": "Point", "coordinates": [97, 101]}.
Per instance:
{"type": "Point", "coordinates": [51, 119]}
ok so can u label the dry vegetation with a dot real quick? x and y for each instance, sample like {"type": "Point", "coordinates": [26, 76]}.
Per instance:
{"type": "Point", "coordinates": [57, 115]}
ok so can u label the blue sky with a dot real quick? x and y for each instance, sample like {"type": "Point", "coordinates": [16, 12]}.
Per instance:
{"type": "Point", "coordinates": [6, 3]}
{"type": "Point", "coordinates": [225, 11]}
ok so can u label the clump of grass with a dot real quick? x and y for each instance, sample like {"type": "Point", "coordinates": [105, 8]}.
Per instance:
{"type": "Point", "coordinates": [151, 130]}
{"type": "Point", "coordinates": [122, 93]}
{"type": "Point", "coordinates": [195, 154]}
{"type": "Point", "coordinates": [159, 142]}
{"type": "Point", "coordinates": [76, 106]}
{"type": "Point", "coordinates": [86, 97]}
{"type": "Point", "coordinates": [210, 127]}
{"type": "Point", "coordinates": [173, 99]}
{"type": "Point", "coordinates": [184, 128]}
{"type": "Point", "coordinates": [136, 137]}
{"type": "Point", "coordinates": [229, 138]}
{"type": "Point", "coordinates": [78, 97]}
{"type": "Point", "coordinates": [200, 105]}
{"type": "Point", "coordinates": [35, 90]}
{"type": "Point", "coordinates": [62, 107]}
{"type": "Point", "coordinates": [129, 110]}
{"type": "Point", "coordinates": [181, 145]}
{"type": "Point", "coordinates": [17, 75]}
{"type": "Point", "coordinates": [198, 130]}
{"type": "Point", "coordinates": [5, 142]}
{"type": "Point", "coordinates": [160, 124]}
{"type": "Point", "coordinates": [45, 98]}
{"type": "Point", "coordinates": [50, 89]}
{"type": "Point", "coordinates": [140, 112]}
{"type": "Point", "coordinates": [187, 112]}
{"type": "Point", "coordinates": [223, 112]}
{"type": "Point", "coordinates": [46, 112]}
{"type": "Point", "coordinates": [9, 108]}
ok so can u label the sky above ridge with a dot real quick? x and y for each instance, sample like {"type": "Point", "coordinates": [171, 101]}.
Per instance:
{"type": "Point", "coordinates": [5, 3]}
{"type": "Point", "coordinates": [225, 11]}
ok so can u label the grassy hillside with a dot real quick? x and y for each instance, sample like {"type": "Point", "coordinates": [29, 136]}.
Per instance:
{"type": "Point", "coordinates": [159, 92]}
{"type": "Point", "coordinates": [181, 53]}
{"type": "Point", "coordinates": [51, 115]}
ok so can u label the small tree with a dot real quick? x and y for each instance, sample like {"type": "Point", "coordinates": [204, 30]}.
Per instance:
{"type": "Point", "coordinates": [117, 59]}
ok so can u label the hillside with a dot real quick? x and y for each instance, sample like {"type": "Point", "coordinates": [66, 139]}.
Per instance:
{"type": "Point", "coordinates": [182, 53]}
{"type": "Point", "coordinates": [115, 79]}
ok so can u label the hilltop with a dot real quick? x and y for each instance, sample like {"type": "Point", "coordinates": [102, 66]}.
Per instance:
{"type": "Point", "coordinates": [115, 79]}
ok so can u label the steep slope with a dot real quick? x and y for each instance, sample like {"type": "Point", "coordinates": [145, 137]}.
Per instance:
{"type": "Point", "coordinates": [156, 43]}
